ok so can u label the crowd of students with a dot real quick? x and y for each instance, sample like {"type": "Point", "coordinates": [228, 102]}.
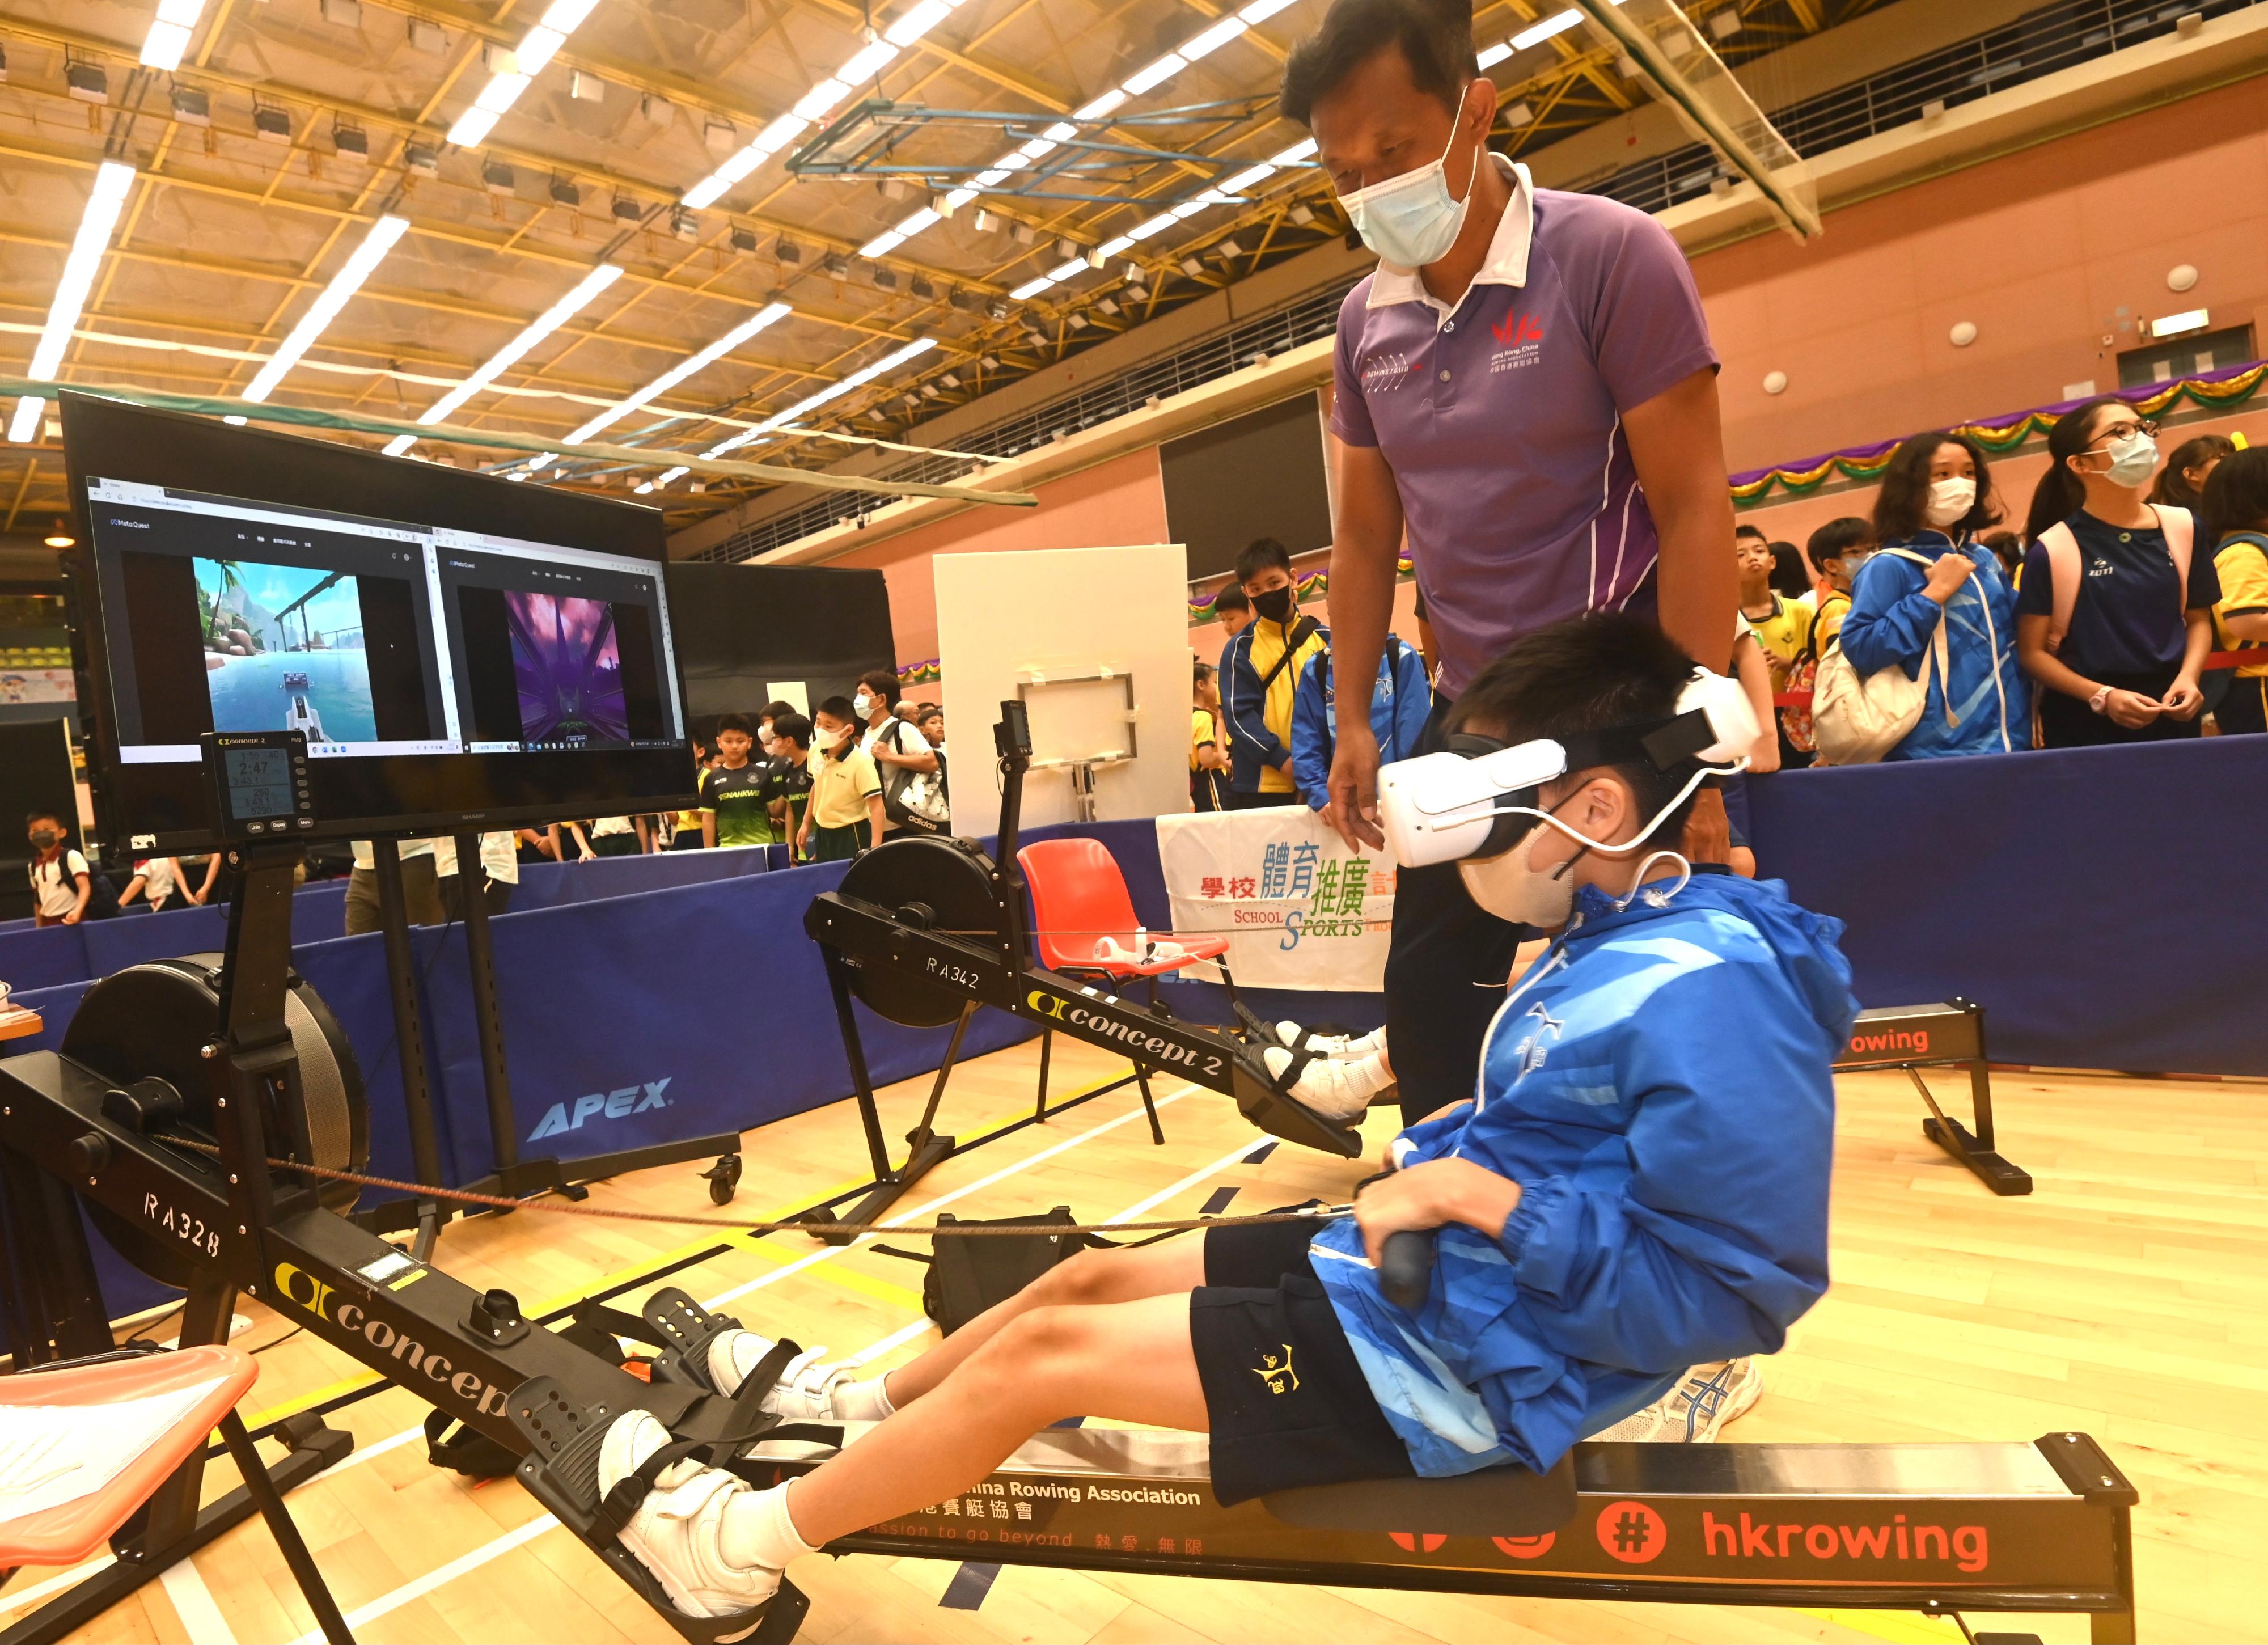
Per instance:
{"type": "Point", "coordinates": [2090, 625]}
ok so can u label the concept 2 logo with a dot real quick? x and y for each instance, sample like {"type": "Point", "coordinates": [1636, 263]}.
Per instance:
{"type": "Point", "coordinates": [616, 1105]}
{"type": "Point", "coordinates": [1129, 1035]}
{"type": "Point", "coordinates": [321, 1299]}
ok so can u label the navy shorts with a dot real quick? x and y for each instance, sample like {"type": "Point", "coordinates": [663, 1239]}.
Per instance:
{"type": "Point", "coordinates": [1287, 1402]}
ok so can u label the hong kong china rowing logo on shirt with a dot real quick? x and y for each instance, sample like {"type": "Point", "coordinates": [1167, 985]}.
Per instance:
{"type": "Point", "coordinates": [1520, 342]}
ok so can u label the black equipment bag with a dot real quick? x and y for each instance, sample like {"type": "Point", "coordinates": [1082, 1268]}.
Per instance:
{"type": "Point", "coordinates": [967, 1276]}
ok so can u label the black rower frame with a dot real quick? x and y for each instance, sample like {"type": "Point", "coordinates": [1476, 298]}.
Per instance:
{"type": "Point", "coordinates": [472, 1355]}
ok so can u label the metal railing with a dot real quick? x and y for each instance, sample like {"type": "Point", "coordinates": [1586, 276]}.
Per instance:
{"type": "Point", "coordinates": [2038, 43]}
{"type": "Point", "coordinates": [1215, 356]}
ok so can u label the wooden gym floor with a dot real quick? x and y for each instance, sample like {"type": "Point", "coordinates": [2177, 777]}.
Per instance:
{"type": "Point", "coordinates": [2123, 1298]}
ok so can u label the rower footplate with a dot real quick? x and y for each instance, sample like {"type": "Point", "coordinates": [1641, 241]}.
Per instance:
{"type": "Point", "coordinates": [685, 1330]}
{"type": "Point", "coordinates": [560, 1471]}
{"type": "Point", "coordinates": [1259, 1101]}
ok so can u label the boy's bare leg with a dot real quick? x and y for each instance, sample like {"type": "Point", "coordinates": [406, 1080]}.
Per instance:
{"type": "Point", "coordinates": [1130, 1361]}
{"type": "Point", "coordinates": [1171, 1267]}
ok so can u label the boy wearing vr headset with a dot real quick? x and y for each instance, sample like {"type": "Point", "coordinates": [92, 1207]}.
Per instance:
{"type": "Point", "coordinates": [1639, 1184]}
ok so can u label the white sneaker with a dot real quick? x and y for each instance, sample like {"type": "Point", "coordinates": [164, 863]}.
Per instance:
{"type": "Point", "coordinates": [805, 1389]}
{"type": "Point", "coordinates": [1333, 1089]}
{"type": "Point", "coordinates": [1335, 1045]}
{"type": "Point", "coordinates": [677, 1531]}
{"type": "Point", "coordinates": [1691, 1414]}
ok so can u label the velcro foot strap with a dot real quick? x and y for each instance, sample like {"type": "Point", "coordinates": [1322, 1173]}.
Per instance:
{"type": "Point", "coordinates": [560, 1471]}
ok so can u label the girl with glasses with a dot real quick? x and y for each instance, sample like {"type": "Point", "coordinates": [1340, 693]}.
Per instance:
{"type": "Point", "coordinates": [2115, 618]}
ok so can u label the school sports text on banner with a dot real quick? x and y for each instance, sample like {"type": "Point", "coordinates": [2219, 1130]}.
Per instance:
{"type": "Point", "coordinates": [1300, 910]}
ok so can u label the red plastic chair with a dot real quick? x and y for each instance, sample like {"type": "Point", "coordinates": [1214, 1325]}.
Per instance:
{"type": "Point", "coordinates": [70, 1532]}
{"type": "Point", "coordinates": [1080, 901]}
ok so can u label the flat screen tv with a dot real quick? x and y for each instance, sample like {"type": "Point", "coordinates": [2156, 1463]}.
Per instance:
{"type": "Point", "coordinates": [463, 653]}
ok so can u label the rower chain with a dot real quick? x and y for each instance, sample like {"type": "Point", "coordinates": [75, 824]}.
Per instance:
{"type": "Point", "coordinates": [427, 1190]}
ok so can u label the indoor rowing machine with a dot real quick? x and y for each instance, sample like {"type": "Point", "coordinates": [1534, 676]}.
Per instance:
{"type": "Point", "coordinates": [1935, 1528]}
{"type": "Point", "coordinates": [1946, 1035]}
{"type": "Point", "coordinates": [923, 931]}
{"type": "Point", "coordinates": [175, 1084]}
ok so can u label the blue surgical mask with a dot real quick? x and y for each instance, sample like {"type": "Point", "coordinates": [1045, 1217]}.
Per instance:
{"type": "Point", "coordinates": [2132, 460]}
{"type": "Point", "coordinates": [1410, 220]}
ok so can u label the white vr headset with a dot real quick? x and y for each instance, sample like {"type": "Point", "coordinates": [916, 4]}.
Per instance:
{"type": "Point", "coordinates": [1480, 798]}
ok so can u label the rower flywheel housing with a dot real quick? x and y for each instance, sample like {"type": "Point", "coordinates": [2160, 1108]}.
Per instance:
{"type": "Point", "coordinates": [152, 1020]}
{"type": "Point", "coordinates": [934, 882]}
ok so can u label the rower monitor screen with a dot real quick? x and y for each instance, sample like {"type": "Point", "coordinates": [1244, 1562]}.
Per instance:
{"type": "Point", "coordinates": [457, 651]}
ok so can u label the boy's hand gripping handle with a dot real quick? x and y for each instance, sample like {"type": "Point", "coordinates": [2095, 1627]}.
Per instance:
{"type": "Point", "coordinates": [1405, 1269]}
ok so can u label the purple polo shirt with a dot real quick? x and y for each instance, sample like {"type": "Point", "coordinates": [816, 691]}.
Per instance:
{"type": "Point", "coordinates": [1501, 416]}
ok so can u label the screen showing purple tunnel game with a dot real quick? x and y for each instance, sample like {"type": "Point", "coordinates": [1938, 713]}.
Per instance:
{"type": "Point", "coordinates": [558, 654]}
{"type": "Point", "coordinates": [568, 667]}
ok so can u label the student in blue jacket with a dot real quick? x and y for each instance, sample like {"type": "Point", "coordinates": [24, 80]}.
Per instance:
{"type": "Point", "coordinates": [1931, 567]}
{"type": "Point", "coordinates": [1639, 1184]}
{"type": "Point", "coordinates": [1399, 701]}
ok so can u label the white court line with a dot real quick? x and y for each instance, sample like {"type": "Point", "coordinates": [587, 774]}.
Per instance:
{"type": "Point", "coordinates": [481, 1556]}
{"type": "Point", "coordinates": [200, 1618]}
{"type": "Point", "coordinates": [363, 1615]}
{"type": "Point", "coordinates": [832, 1251]}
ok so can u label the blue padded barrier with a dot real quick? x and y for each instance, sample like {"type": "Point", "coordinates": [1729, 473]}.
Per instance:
{"type": "Point", "coordinates": [2089, 898]}
{"type": "Point", "coordinates": [672, 1013]}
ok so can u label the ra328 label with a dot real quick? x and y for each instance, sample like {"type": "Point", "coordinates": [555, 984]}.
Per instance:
{"type": "Point", "coordinates": [192, 1232]}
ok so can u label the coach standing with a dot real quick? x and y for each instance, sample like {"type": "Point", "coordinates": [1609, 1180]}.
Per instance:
{"type": "Point", "coordinates": [1526, 387]}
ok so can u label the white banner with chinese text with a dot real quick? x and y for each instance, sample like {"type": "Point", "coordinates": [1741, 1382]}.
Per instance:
{"type": "Point", "coordinates": [1300, 911]}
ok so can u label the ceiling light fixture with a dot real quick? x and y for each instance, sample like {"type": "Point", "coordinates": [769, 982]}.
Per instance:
{"type": "Point", "coordinates": [765, 316]}
{"type": "Point", "coordinates": [505, 357]}
{"type": "Point", "coordinates": [536, 48]}
{"type": "Point", "coordinates": [169, 34]}
{"type": "Point", "coordinates": [358, 267]}
{"type": "Point", "coordinates": [833, 391]}
{"type": "Point", "coordinates": [112, 180]}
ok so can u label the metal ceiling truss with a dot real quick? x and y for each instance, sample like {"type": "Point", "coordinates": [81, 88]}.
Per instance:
{"type": "Point", "coordinates": [1074, 154]}
{"type": "Point", "coordinates": [1101, 170]}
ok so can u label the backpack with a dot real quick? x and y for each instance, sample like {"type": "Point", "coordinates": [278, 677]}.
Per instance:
{"type": "Point", "coordinates": [1803, 676]}
{"type": "Point", "coordinates": [2067, 569]}
{"type": "Point", "coordinates": [1856, 721]}
{"type": "Point", "coordinates": [914, 800]}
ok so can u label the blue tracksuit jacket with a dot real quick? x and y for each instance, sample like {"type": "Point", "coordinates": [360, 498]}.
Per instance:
{"type": "Point", "coordinates": [1660, 1087]}
{"type": "Point", "coordinates": [1399, 703]}
{"type": "Point", "coordinates": [1891, 622]}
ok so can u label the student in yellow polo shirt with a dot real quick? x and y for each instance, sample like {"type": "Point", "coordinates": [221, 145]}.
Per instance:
{"type": "Point", "coordinates": [845, 813]}
{"type": "Point", "coordinates": [2237, 502]}
{"type": "Point", "coordinates": [1260, 670]}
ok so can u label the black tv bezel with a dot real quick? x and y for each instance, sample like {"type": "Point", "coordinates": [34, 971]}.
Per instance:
{"type": "Point", "coordinates": [431, 794]}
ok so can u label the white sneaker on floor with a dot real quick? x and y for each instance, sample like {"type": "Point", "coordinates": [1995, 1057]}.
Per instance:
{"type": "Point", "coordinates": [1333, 1089]}
{"type": "Point", "coordinates": [1691, 1414]}
{"type": "Point", "coordinates": [806, 1391]}
{"type": "Point", "coordinates": [677, 1531]}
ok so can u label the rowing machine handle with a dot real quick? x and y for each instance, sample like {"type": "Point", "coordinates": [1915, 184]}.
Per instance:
{"type": "Point", "coordinates": [1405, 1269]}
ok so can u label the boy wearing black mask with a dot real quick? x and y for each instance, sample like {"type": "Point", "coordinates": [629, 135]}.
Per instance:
{"type": "Point", "coordinates": [1259, 671]}
{"type": "Point", "coordinates": [61, 884]}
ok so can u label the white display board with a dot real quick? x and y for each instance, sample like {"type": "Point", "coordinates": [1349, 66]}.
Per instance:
{"type": "Point", "coordinates": [1070, 614]}
{"type": "Point", "coordinates": [1299, 909]}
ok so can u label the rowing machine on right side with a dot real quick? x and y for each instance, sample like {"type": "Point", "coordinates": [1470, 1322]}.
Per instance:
{"type": "Point", "coordinates": [1949, 1034]}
